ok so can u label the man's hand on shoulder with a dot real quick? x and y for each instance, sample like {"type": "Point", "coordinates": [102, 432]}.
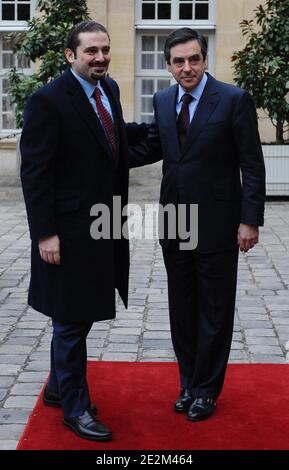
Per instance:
{"type": "Point", "coordinates": [49, 249]}
{"type": "Point", "coordinates": [248, 236]}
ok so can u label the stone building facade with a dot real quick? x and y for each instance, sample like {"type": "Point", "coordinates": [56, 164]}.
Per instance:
{"type": "Point", "coordinates": [138, 29]}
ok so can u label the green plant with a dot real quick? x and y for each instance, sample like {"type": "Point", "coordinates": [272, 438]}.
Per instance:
{"type": "Point", "coordinates": [262, 67]}
{"type": "Point", "coordinates": [44, 41]}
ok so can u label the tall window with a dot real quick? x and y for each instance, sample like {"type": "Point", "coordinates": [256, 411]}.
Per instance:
{"type": "Point", "coordinates": [155, 19]}
{"type": "Point", "coordinates": [153, 74]}
{"type": "Point", "coordinates": [14, 15]}
{"type": "Point", "coordinates": [8, 60]}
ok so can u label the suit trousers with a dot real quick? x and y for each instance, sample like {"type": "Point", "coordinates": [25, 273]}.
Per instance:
{"type": "Point", "coordinates": [202, 291]}
{"type": "Point", "coordinates": [68, 366]}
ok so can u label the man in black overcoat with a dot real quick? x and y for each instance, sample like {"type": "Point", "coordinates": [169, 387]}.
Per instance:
{"type": "Point", "coordinates": [74, 155]}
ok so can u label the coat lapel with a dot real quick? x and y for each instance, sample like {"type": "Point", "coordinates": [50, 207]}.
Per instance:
{"type": "Point", "coordinates": [208, 102]}
{"type": "Point", "coordinates": [86, 112]}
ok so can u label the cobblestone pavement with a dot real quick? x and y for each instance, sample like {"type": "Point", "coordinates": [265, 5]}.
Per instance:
{"type": "Point", "coordinates": [140, 333]}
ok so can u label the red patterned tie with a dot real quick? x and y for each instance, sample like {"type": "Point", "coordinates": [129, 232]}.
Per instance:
{"type": "Point", "coordinates": [105, 118]}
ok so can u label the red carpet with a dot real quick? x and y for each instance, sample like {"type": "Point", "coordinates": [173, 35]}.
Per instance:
{"type": "Point", "coordinates": [135, 401]}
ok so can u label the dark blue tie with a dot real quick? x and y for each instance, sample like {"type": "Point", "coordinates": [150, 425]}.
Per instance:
{"type": "Point", "coordinates": [183, 121]}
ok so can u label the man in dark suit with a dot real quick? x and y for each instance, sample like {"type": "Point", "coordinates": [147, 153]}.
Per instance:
{"type": "Point", "coordinates": [206, 132]}
{"type": "Point", "coordinates": [74, 155]}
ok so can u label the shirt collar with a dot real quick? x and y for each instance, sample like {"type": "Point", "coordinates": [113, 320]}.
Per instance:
{"type": "Point", "coordinates": [197, 92]}
{"type": "Point", "coordinates": [87, 87]}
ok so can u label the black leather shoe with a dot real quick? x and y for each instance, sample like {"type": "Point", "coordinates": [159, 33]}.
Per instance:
{"type": "Point", "coordinates": [184, 401]}
{"type": "Point", "coordinates": [88, 427]}
{"type": "Point", "coordinates": [201, 408]}
{"type": "Point", "coordinates": [53, 399]}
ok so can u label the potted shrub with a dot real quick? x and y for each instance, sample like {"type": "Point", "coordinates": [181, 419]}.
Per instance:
{"type": "Point", "coordinates": [262, 68]}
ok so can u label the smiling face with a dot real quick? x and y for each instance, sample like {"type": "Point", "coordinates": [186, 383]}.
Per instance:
{"type": "Point", "coordinates": [92, 56]}
{"type": "Point", "coordinates": [187, 64]}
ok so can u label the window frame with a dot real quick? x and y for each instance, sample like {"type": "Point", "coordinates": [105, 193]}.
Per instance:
{"type": "Point", "coordinates": [12, 26]}
{"type": "Point", "coordinates": [16, 25]}
{"type": "Point", "coordinates": [175, 22]}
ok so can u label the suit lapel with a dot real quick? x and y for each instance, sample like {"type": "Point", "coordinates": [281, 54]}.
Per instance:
{"type": "Point", "coordinates": [170, 120]}
{"type": "Point", "coordinates": [208, 102]}
{"type": "Point", "coordinates": [85, 110]}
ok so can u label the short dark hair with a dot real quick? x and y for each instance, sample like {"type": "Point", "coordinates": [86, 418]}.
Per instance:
{"type": "Point", "coordinates": [181, 36]}
{"type": "Point", "coordinates": [86, 26]}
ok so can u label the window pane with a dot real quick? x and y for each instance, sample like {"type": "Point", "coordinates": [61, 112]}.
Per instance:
{"type": "Point", "coordinates": [162, 83]}
{"type": "Point", "coordinates": [145, 118]}
{"type": "Point", "coordinates": [147, 61]}
{"type": "Point", "coordinates": [23, 12]}
{"type": "Point", "coordinates": [8, 61]}
{"type": "Point", "coordinates": [161, 43]}
{"type": "Point", "coordinates": [5, 85]}
{"type": "Point", "coordinates": [148, 43]}
{"type": "Point", "coordinates": [8, 12]}
{"type": "Point", "coordinates": [202, 11]}
{"type": "Point", "coordinates": [7, 44]}
{"type": "Point", "coordinates": [161, 62]}
{"type": "Point", "coordinates": [6, 104]}
{"type": "Point", "coordinates": [147, 105]}
{"type": "Point", "coordinates": [148, 12]}
{"type": "Point", "coordinates": [9, 121]}
{"type": "Point", "coordinates": [164, 11]}
{"type": "Point", "coordinates": [147, 87]}
{"type": "Point", "coordinates": [23, 61]}
{"type": "Point", "coordinates": [186, 11]}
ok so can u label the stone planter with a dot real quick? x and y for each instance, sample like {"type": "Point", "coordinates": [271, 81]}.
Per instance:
{"type": "Point", "coordinates": [277, 169]}
{"type": "Point", "coordinates": [8, 159]}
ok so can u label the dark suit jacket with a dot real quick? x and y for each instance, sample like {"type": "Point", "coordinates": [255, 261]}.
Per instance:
{"type": "Point", "coordinates": [67, 167]}
{"type": "Point", "coordinates": [222, 144]}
